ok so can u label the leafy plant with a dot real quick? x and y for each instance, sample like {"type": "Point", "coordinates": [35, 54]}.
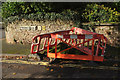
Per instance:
{"type": "Point", "coordinates": [18, 8]}
{"type": "Point", "coordinates": [100, 14]}
{"type": "Point", "coordinates": [40, 16]}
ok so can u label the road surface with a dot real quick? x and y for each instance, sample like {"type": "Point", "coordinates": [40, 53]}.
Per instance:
{"type": "Point", "coordinates": [2, 31]}
{"type": "Point", "coordinates": [13, 70]}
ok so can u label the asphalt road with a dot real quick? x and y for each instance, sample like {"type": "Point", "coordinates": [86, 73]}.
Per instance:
{"type": "Point", "coordinates": [13, 70]}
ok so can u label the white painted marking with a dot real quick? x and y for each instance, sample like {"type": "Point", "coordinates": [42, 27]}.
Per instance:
{"type": "Point", "coordinates": [33, 27]}
{"type": "Point", "coordinates": [25, 27]}
{"type": "Point", "coordinates": [73, 36]}
{"type": "Point", "coordinates": [59, 36]}
{"type": "Point", "coordinates": [88, 36]}
{"type": "Point", "coordinates": [39, 27]}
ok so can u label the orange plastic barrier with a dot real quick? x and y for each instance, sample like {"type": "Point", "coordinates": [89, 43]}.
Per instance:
{"type": "Point", "coordinates": [91, 44]}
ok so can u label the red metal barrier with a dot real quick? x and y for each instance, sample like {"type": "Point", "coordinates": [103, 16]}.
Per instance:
{"type": "Point", "coordinates": [77, 38]}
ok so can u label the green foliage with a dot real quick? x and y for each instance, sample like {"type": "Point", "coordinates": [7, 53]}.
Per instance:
{"type": "Point", "coordinates": [113, 5]}
{"type": "Point", "coordinates": [18, 8]}
{"type": "Point", "coordinates": [77, 12]}
{"type": "Point", "coordinates": [100, 14]}
{"type": "Point", "coordinates": [39, 16]}
{"type": "Point", "coordinates": [71, 15]}
{"type": "Point", "coordinates": [10, 9]}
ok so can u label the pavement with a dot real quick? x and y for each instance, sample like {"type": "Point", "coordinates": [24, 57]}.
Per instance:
{"type": "Point", "coordinates": [25, 66]}
{"type": "Point", "coordinates": [29, 66]}
{"type": "Point", "coordinates": [2, 31]}
{"type": "Point", "coordinates": [13, 70]}
{"type": "Point", "coordinates": [32, 59]}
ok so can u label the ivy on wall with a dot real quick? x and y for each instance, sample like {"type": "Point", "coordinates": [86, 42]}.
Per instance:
{"type": "Point", "coordinates": [67, 15]}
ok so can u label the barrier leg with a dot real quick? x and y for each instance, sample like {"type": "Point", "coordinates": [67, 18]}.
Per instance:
{"type": "Point", "coordinates": [39, 40]}
{"type": "Point", "coordinates": [93, 47]}
{"type": "Point", "coordinates": [97, 48]}
{"type": "Point", "coordinates": [45, 42]}
{"type": "Point", "coordinates": [55, 48]}
{"type": "Point", "coordinates": [88, 44]}
{"type": "Point", "coordinates": [48, 48]}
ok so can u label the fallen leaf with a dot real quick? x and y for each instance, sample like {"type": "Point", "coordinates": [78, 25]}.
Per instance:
{"type": "Point", "coordinates": [61, 66]}
{"type": "Point", "coordinates": [47, 69]}
{"type": "Point", "coordinates": [17, 58]}
{"type": "Point", "coordinates": [21, 57]}
{"type": "Point", "coordinates": [115, 65]}
{"type": "Point", "coordinates": [59, 76]}
{"type": "Point", "coordinates": [14, 73]}
{"type": "Point", "coordinates": [51, 70]}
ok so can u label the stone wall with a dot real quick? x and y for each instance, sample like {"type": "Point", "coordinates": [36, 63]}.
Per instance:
{"type": "Point", "coordinates": [23, 31]}
{"type": "Point", "coordinates": [111, 31]}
